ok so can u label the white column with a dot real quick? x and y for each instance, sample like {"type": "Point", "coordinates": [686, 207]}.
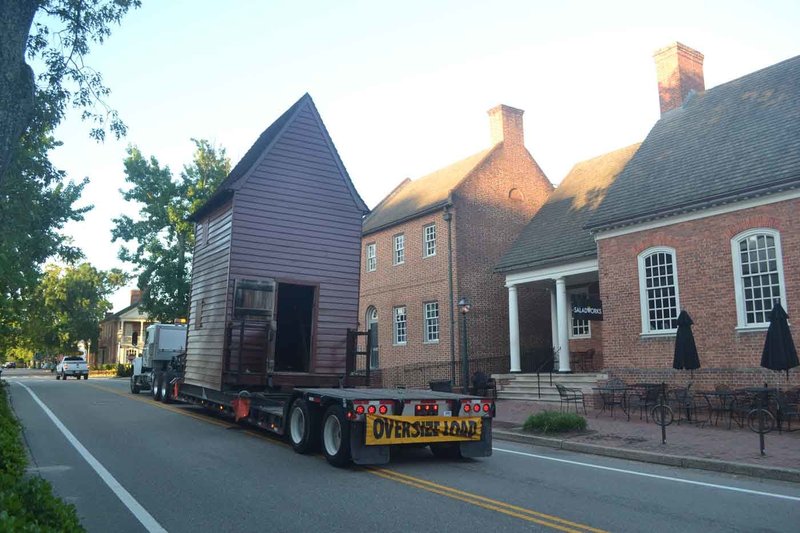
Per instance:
{"type": "Point", "coordinates": [553, 318]}
{"type": "Point", "coordinates": [513, 327]}
{"type": "Point", "coordinates": [562, 311]}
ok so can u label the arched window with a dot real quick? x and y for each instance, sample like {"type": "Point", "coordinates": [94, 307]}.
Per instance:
{"type": "Point", "coordinates": [758, 275]}
{"type": "Point", "coordinates": [658, 290]}
{"type": "Point", "coordinates": [372, 327]}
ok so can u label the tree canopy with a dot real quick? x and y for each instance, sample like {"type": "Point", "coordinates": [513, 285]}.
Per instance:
{"type": "Point", "coordinates": [162, 238]}
{"type": "Point", "coordinates": [58, 34]}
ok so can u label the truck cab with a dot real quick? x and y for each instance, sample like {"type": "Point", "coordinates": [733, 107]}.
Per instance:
{"type": "Point", "coordinates": [162, 342]}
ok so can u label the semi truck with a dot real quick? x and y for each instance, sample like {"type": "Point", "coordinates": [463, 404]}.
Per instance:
{"type": "Point", "coordinates": [350, 424]}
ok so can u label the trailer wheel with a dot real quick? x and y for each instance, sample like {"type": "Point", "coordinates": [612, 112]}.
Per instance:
{"type": "Point", "coordinates": [164, 385]}
{"type": "Point", "coordinates": [134, 386]}
{"type": "Point", "coordinates": [303, 427]}
{"type": "Point", "coordinates": [157, 377]}
{"type": "Point", "coordinates": [336, 436]}
{"type": "Point", "coordinates": [446, 450]}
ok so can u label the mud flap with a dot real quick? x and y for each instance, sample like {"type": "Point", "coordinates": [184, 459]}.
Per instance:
{"type": "Point", "coordinates": [363, 454]}
{"type": "Point", "coordinates": [481, 448]}
{"type": "Point", "coordinates": [241, 408]}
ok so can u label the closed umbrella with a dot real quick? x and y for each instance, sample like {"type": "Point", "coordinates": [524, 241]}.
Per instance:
{"type": "Point", "coordinates": [685, 349]}
{"type": "Point", "coordinates": [779, 351]}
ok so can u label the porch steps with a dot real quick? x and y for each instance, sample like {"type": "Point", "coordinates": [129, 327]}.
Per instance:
{"type": "Point", "coordinates": [524, 386]}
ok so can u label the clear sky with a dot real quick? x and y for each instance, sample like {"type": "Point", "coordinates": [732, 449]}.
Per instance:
{"type": "Point", "coordinates": [403, 87]}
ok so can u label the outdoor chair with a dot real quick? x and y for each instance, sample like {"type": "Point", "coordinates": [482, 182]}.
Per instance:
{"type": "Point", "coordinates": [685, 405]}
{"type": "Point", "coordinates": [788, 408]}
{"type": "Point", "coordinates": [571, 396]}
{"type": "Point", "coordinates": [613, 394]}
{"type": "Point", "coordinates": [645, 399]}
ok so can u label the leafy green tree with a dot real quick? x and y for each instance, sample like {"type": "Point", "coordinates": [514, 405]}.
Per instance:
{"type": "Point", "coordinates": [68, 305]}
{"type": "Point", "coordinates": [162, 238]}
{"type": "Point", "coordinates": [57, 34]}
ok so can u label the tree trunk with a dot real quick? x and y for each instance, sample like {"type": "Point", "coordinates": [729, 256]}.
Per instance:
{"type": "Point", "coordinates": [16, 77]}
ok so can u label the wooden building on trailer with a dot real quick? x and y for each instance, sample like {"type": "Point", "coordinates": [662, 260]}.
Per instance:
{"type": "Point", "coordinates": [275, 273]}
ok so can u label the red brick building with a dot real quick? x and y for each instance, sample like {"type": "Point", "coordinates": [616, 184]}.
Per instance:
{"type": "Point", "coordinates": [705, 218]}
{"type": "Point", "coordinates": [121, 336]}
{"type": "Point", "coordinates": [702, 216]}
{"type": "Point", "coordinates": [435, 240]}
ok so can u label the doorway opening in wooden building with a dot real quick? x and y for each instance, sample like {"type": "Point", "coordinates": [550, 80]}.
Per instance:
{"type": "Point", "coordinates": [295, 314]}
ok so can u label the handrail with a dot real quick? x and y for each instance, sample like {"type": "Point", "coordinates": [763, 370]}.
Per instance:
{"type": "Point", "coordinates": [551, 360]}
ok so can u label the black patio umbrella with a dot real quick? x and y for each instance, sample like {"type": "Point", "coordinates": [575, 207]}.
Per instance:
{"type": "Point", "coordinates": [779, 351]}
{"type": "Point", "coordinates": [686, 357]}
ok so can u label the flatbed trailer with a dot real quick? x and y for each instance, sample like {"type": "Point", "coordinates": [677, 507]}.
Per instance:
{"type": "Point", "coordinates": [358, 425]}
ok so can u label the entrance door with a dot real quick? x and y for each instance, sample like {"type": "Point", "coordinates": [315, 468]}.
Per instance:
{"type": "Point", "coordinates": [295, 313]}
{"type": "Point", "coordinates": [372, 326]}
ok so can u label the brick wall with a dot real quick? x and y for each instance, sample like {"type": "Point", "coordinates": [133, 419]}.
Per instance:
{"type": "Point", "coordinates": [490, 209]}
{"type": "Point", "coordinates": [706, 291]}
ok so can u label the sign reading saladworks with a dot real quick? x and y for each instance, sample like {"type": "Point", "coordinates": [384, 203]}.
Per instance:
{"type": "Point", "coordinates": [386, 429]}
{"type": "Point", "coordinates": [584, 308]}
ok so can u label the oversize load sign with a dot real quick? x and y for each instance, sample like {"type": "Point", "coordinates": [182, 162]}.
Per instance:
{"type": "Point", "coordinates": [413, 429]}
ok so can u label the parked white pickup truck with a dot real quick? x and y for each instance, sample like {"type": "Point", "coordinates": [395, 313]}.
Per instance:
{"type": "Point", "coordinates": [72, 365]}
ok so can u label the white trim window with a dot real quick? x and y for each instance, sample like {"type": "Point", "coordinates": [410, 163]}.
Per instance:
{"type": "Point", "coordinates": [431, 313]}
{"type": "Point", "coordinates": [579, 328]}
{"type": "Point", "coordinates": [372, 257]}
{"type": "Point", "coordinates": [658, 290]}
{"type": "Point", "coordinates": [400, 325]}
{"type": "Point", "coordinates": [429, 240]}
{"type": "Point", "coordinates": [399, 249]}
{"type": "Point", "coordinates": [758, 275]}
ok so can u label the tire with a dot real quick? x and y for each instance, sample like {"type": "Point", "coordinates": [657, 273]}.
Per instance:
{"type": "Point", "coordinates": [86, 376]}
{"type": "Point", "coordinates": [336, 436]}
{"type": "Point", "coordinates": [164, 386]}
{"type": "Point", "coordinates": [63, 376]}
{"type": "Point", "coordinates": [446, 450]}
{"type": "Point", "coordinates": [156, 389]}
{"type": "Point", "coordinates": [303, 429]}
{"type": "Point", "coordinates": [58, 376]}
{"type": "Point", "coordinates": [135, 388]}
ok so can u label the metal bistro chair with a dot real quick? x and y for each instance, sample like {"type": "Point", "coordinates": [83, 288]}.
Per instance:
{"type": "Point", "coordinates": [571, 396]}
{"type": "Point", "coordinates": [645, 399]}
{"type": "Point", "coordinates": [788, 408]}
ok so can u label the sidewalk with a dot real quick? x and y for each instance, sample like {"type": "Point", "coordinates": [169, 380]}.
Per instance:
{"type": "Point", "coordinates": [707, 447]}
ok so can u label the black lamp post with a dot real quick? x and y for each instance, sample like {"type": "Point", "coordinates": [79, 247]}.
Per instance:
{"type": "Point", "coordinates": [464, 306]}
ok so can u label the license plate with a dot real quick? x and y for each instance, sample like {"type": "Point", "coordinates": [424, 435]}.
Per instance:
{"type": "Point", "coordinates": [382, 430]}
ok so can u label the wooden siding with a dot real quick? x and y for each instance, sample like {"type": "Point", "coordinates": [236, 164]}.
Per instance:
{"type": "Point", "coordinates": [295, 220]}
{"type": "Point", "coordinates": [211, 286]}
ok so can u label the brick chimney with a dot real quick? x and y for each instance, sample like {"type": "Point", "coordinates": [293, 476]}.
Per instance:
{"type": "Point", "coordinates": [505, 124]}
{"type": "Point", "coordinates": [136, 296]}
{"type": "Point", "coordinates": [679, 70]}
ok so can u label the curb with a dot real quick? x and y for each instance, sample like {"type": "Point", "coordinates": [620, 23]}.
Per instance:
{"type": "Point", "coordinates": [744, 469]}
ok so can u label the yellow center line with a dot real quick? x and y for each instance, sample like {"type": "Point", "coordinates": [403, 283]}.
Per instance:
{"type": "Point", "coordinates": [487, 503]}
{"type": "Point", "coordinates": [529, 515]}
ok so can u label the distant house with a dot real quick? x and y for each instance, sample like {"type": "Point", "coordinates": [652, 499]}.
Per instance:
{"type": "Point", "coordinates": [435, 240]}
{"type": "Point", "coordinates": [276, 264]}
{"type": "Point", "coordinates": [121, 334]}
{"type": "Point", "coordinates": [704, 217]}
{"type": "Point", "coordinates": [555, 253]}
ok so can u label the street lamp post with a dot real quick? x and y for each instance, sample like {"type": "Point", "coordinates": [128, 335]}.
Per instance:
{"type": "Point", "coordinates": [464, 306]}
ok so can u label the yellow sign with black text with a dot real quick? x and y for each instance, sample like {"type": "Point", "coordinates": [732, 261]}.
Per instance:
{"type": "Point", "coordinates": [385, 429]}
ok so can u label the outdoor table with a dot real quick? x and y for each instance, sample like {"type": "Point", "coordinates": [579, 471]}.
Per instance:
{"type": "Point", "coordinates": [611, 396]}
{"type": "Point", "coordinates": [719, 403]}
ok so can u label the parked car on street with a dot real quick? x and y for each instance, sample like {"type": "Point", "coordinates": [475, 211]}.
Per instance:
{"type": "Point", "coordinates": [72, 365]}
{"type": "Point", "coordinates": [10, 364]}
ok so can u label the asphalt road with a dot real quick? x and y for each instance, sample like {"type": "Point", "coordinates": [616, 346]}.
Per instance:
{"type": "Point", "coordinates": [176, 468]}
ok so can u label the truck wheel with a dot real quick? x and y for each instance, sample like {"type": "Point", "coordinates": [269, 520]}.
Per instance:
{"type": "Point", "coordinates": [58, 376]}
{"type": "Point", "coordinates": [166, 393]}
{"type": "Point", "coordinates": [86, 376]}
{"type": "Point", "coordinates": [157, 386]}
{"type": "Point", "coordinates": [446, 450]}
{"type": "Point", "coordinates": [134, 386]}
{"type": "Point", "coordinates": [63, 376]}
{"type": "Point", "coordinates": [336, 436]}
{"type": "Point", "coordinates": [303, 427]}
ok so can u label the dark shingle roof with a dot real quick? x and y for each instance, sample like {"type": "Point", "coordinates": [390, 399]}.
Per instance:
{"type": "Point", "coordinates": [737, 140]}
{"type": "Point", "coordinates": [267, 137]}
{"type": "Point", "coordinates": [556, 232]}
{"type": "Point", "coordinates": [412, 198]}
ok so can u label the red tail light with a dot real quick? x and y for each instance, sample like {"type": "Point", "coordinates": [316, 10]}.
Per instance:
{"type": "Point", "coordinates": [359, 409]}
{"type": "Point", "coordinates": [467, 407]}
{"type": "Point", "coordinates": [383, 409]}
{"type": "Point", "coordinates": [371, 409]}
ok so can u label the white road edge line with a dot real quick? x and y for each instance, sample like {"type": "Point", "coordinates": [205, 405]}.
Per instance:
{"type": "Point", "coordinates": [145, 518]}
{"type": "Point", "coordinates": [656, 476]}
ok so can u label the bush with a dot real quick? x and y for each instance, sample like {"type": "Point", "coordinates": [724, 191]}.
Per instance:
{"type": "Point", "coordinates": [124, 371]}
{"type": "Point", "coordinates": [26, 503]}
{"type": "Point", "coordinates": [108, 366]}
{"type": "Point", "coordinates": [554, 422]}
